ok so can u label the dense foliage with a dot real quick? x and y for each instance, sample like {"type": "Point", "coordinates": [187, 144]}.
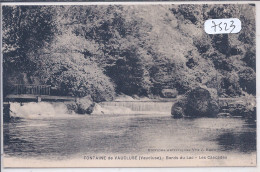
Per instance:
{"type": "Point", "coordinates": [102, 51]}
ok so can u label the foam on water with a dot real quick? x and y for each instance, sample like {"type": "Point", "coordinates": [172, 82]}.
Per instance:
{"type": "Point", "coordinates": [138, 106]}
{"type": "Point", "coordinates": [101, 109]}
{"type": "Point", "coordinates": [110, 108]}
{"type": "Point", "coordinates": [38, 110]}
{"type": "Point", "coordinates": [34, 110]}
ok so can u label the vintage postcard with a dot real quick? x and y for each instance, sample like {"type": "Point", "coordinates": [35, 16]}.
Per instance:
{"type": "Point", "coordinates": [129, 85]}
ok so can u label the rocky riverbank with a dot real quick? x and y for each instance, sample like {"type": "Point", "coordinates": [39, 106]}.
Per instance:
{"type": "Point", "coordinates": [200, 102]}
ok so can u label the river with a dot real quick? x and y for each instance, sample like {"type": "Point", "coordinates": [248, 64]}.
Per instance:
{"type": "Point", "coordinates": [76, 136]}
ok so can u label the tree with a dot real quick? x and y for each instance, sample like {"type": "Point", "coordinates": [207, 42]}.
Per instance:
{"type": "Point", "coordinates": [25, 30]}
{"type": "Point", "coordinates": [247, 80]}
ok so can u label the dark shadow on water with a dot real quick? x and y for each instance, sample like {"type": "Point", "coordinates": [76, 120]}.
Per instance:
{"type": "Point", "coordinates": [242, 142]}
{"type": "Point", "coordinates": [13, 145]}
{"type": "Point", "coordinates": [186, 118]}
{"type": "Point", "coordinates": [190, 118]}
{"type": "Point", "coordinates": [251, 123]}
{"type": "Point", "coordinates": [233, 140]}
{"type": "Point", "coordinates": [63, 138]}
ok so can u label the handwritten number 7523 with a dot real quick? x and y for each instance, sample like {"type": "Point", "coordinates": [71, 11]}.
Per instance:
{"type": "Point", "coordinates": [227, 26]}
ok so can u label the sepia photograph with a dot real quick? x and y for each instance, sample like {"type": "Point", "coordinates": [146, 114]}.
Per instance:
{"type": "Point", "coordinates": [129, 85]}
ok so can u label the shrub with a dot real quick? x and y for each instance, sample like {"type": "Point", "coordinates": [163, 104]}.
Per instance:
{"type": "Point", "coordinates": [247, 80]}
{"type": "Point", "coordinates": [169, 93]}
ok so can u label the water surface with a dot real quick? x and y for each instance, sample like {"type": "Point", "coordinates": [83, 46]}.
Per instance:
{"type": "Point", "coordinates": [63, 138]}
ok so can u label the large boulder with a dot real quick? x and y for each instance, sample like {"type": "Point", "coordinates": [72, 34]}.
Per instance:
{"type": "Point", "coordinates": [177, 111]}
{"type": "Point", "coordinates": [196, 103]}
{"type": "Point", "coordinates": [84, 105]}
{"type": "Point", "coordinates": [178, 108]}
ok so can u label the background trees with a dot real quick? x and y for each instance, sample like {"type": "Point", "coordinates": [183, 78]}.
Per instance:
{"type": "Point", "coordinates": [107, 50]}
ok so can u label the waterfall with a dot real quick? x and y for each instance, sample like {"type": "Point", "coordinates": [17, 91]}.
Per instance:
{"type": "Point", "coordinates": [141, 105]}
{"type": "Point", "coordinates": [47, 109]}
{"type": "Point", "coordinates": [38, 110]}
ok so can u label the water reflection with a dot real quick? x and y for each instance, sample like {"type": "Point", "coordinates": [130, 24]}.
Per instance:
{"type": "Point", "coordinates": [244, 142]}
{"type": "Point", "coordinates": [126, 134]}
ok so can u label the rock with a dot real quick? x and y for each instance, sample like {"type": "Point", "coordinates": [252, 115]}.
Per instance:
{"type": "Point", "coordinates": [197, 103]}
{"type": "Point", "coordinates": [177, 112]}
{"type": "Point", "coordinates": [214, 107]}
{"type": "Point", "coordinates": [85, 105]}
{"type": "Point", "coordinates": [169, 93]}
{"type": "Point", "coordinates": [71, 107]}
{"type": "Point", "coordinates": [178, 108]}
{"type": "Point", "coordinates": [243, 107]}
{"type": "Point", "coordinates": [200, 103]}
{"type": "Point", "coordinates": [244, 111]}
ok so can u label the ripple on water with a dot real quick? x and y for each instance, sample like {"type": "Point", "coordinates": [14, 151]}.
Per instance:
{"type": "Point", "coordinates": [135, 133]}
